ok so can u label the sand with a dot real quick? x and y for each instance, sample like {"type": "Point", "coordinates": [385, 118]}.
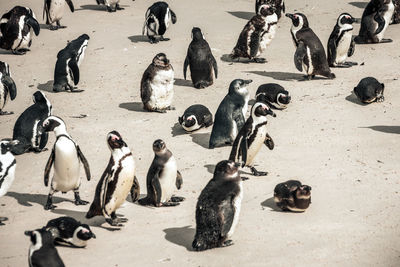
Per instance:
{"type": "Point", "coordinates": [346, 151]}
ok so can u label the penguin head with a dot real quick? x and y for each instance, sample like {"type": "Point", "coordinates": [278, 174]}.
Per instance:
{"type": "Point", "coordinates": [4, 68]}
{"type": "Point", "coordinates": [303, 192]}
{"type": "Point", "coordinates": [84, 232]}
{"type": "Point", "coordinates": [40, 98]}
{"type": "Point", "coordinates": [283, 99]}
{"type": "Point", "coordinates": [227, 169]}
{"type": "Point", "coordinates": [53, 123]}
{"type": "Point", "coordinates": [40, 237]}
{"type": "Point", "coordinates": [345, 18]}
{"type": "Point", "coordinates": [239, 86]}
{"type": "Point", "coordinates": [84, 37]}
{"type": "Point", "coordinates": [261, 109]}
{"type": "Point", "coordinates": [161, 60]}
{"type": "Point", "coordinates": [266, 10]}
{"type": "Point", "coordinates": [159, 146]}
{"type": "Point", "coordinates": [299, 20]}
{"type": "Point", "coordinates": [6, 145]}
{"type": "Point", "coordinates": [114, 140]}
{"type": "Point", "coordinates": [197, 35]}
{"type": "Point", "coordinates": [188, 121]}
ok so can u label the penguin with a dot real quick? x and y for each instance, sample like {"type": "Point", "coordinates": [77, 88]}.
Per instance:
{"type": "Point", "coordinates": [251, 137]}
{"type": "Point", "coordinates": [396, 12]}
{"type": "Point", "coordinates": [200, 60]}
{"type": "Point", "coordinates": [67, 230]}
{"type": "Point", "coordinates": [274, 95]}
{"type": "Point", "coordinates": [310, 53]}
{"type": "Point", "coordinates": [27, 129]}
{"type": "Point", "coordinates": [66, 157]}
{"type": "Point", "coordinates": [42, 252]}
{"type": "Point", "coordinates": [278, 4]}
{"type": "Point", "coordinates": [163, 176]}
{"type": "Point", "coordinates": [369, 90]}
{"type": "Point", "coordinates": [117, 181]}
{"type": "Point", "coordinates": [231, 114]}
{"type": "Point", "coordinates": [218, 208]}
{"type": "Point", "coordinates": [17, 27]}
{"type": "Point", "coordinates": [8, 89]}
{"type": "Point", "coordinates": [195, 117]}
{"type": "Point", "coordinates": [53, 10]}
{"type": "Point", "coordinates": [341, 43]}
{"type": "Point", "coordinates": [157, 85]}
{"type": "Point", "coordinates": [292, 196]}
{"type": "Point", "coordinates": [112, 5]}
{"type": "Point", "coordinates": [256, 35]}
{"type": "Point", "coordinates": [66, 72]}
{"type": "Point", "coordinates": [157, 20]}
{"type": "Point", "coordinates": [374, 22]}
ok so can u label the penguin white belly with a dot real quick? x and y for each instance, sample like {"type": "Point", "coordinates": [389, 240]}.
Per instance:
{"type": "Point", "coordinates": [343, 47]}
{"type": "Point", "coordinates": [35, 138]}
{"type": "Point", "coordinates": [237, 202]}
{"type": "Point", "coordinates": [256, 145]}
{"type": "Point", "coordinates": [69, 74]}
{"type": "Point", "coordinates": [56, 10]}
{"type": "Point", "coordinates": [3, 99]}
{"type": "Point", "coordinates": [387, 17]}
{"type": "Point", "coordinates": [66, 166]}
{"type": "Point", "coordinates": [6, 181]}
{"type": "Point", "coordinates": [192, 128]}
{"type": "Point", "coordinates": [111, 2]}
{"type": "Point", "coordinates": [22, 41]}
{"type": "Point", "coordinates": [168, 179]}
{"type": "Point", "coordinates": [162, 87]}
{"type": "Point", "coordinates": [81, 52]}
{"type": "Point", "coordinates": [268, 35]}
{"type": "Point", "coordinates": [310, 68]}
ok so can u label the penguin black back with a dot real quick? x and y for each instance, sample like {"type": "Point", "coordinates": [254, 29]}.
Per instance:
{"type": "Point", "coordinates": [8, 88]}
{"type": "Point", "coordinates": [273, 94]}
{"type": "Point", "coordinates": [292, 196]}
{"type": "Point", "coordinates": [369, 90]}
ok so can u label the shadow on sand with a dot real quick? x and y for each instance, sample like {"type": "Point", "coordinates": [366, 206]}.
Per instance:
{"type": "Point", "coordinates": [242, 14]}
{"type": "Point", "coordinates": [181, 236]}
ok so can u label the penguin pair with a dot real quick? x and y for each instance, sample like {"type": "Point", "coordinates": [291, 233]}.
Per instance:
{"type": "Point", "coordinates": [195, 117]}
{"type": "Point", "coordinates": [369, 90]}
{"type": "Point", "coordinates": [111, 5]}
{"type": "Point", "coordinates": [17, 27]}
{"type": "Point", "coordinates": [200, 60]}
{"type": "Point", "coordinates": [157, 20]}
{"type": "Point", "coordinates": [274, 95]}
{"type": "Point", "coordinates": [310, 54]}
{"type": "Point", "coordinates": [27, 128]}
{"type": "Point", "coordinates": [231, 114]}
{"type": "Point", "coordinates": [66, 72]}
{"type": "Point", "coordinates": [218, 208]}
{"type": "Point", "coordinates": [279, 6]}
{"type": "Point", "coordinates": [53, 10]}
{"type": "Point", "coordinates": [256, 35]}
{"type": "Point", "coordinates": [292, 196]}
{"type": "Point", "coordinates": [251, 137]}
{"type": "Point", "coordinates": [375, 19]}
{"type": "Point", "coordinates": [8, 90]}
{"type": "Point", "coordinates": [117, 181]}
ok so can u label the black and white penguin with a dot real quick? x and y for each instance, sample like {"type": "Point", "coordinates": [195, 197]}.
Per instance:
{"type": "Point", "coordinates": [251, 137]}
{"type": "Point", "coordinates": [218, 208]}
{"type": "Point", "coordinates": [117, 181]}
{"type": "Point", "coordinates": [256, 35]}
{"type": "Point", "coordinates": [200, 61]}
{"type": "Point", "coordinates": [292, 196]}
{"type": "Point", "coordinates": [310, 53]}
{"type": "Point", "coordinates": [162, 178]}
{"type": "Point", "coordinates": [231, 114]}
{"type": "Point", "coordinates": [54, 11]}
{"type": "Point", "coordinates": [17, 27]}
{"type": "Point", "coordinates": [195, 117]}
{"type": "Point", "coordinates": [279, 6]}
{"type": "Point", "coordinates": [112, 5]}
{"type": "Point", "coordinates": [27, 129]}
{"type": "Point", "coordinates": [66, 157]}
{"type": "Point", "coordinates": [8, 90]}
{"type": "Point", "coordinates": [396, 12]}
{"type": "Point", "coordinates": [66, 72]}
{"type": "Point", "coordinates": [374, 22]}
{"type": "Point", "coordinates": [369, 90]}
{"type": "Point", "coordinates": [157, 85]}
{"type": "Point", "coordinates": [341, 44]}
{"type": "Point", "coordinates": [67, 230]}
{"type": "Point", "coordinates": [157, 19]}
{"type": "Point", "coordinates": [274, 95]}
{"type": "Point", "coordinates": [42, 252]}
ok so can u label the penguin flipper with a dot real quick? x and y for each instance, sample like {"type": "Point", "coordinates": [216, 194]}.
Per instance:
{"type": "Point", "coordinates": [331, 50]}
{"type": "Point", "coordinates": [269, 142]}
{"type": "Point", "coordinates": [254, 43]}
{"type": "Point", "coordinates": [47, 169]}
{"type": "Point", "coordinates": [145, 88]}
{"type": "Point", "coordinates": [301, 52]}
{"type": "Point", "coordinates": [31, 21]}
{"type": "Point", "coordinates": [135, 190]}
{"type": "Point", "coordinates": [9, 83]}
{"type": "Point", "coordinates": [179, 180]}
{"type": "Point", "coordinates": [238, 117]}
{"type": "Point", "coordinates": [381, 22]}
{"type": "Point", "coordinates": [71, 5]}
{"type": "Point", "coordinates": [215, 67]}
{"type": "Point", "coordinates": [351, 48]}
{"type": "Point", "coordinates": [173, 16]}
{"type": "Point", "coordinates": [84, 162]}
{"type": "Point", "coordinates": [73, 65]}
{"type": "Point", "coordinates": [185, 65]}
{"type": "Point", "coordinates": [155, 184]}
{"type": "Point", "coordinates": [226, 215]}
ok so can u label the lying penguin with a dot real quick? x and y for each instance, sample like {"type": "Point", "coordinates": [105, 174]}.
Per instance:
{"type": "Point", "coordinates": [369, 90]}
{"type": "Point", "coordinates": [274, 95]}
{"type": "Point", "coordinates": [195, 117]}
{"type": "Point", "coordinates": [292, 196]}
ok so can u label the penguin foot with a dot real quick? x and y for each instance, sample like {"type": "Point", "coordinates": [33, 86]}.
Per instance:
{"type": "Point", "coordinates": [169, 204]}
{"type": "Point", "coordinates": [114, 222]}
{"type": "Point", "coordinates": [164, 39]}
{"type": "Point", "coordinates": [153, 40]}
{"type": "Point", "coordinates": [227, 243]}
{"type": "Point", "coordinates": [109, 9]}
{"type": "Point", "coordinates": [386, 41]}
{"type": "Point", "coordinates": [6, 112]}
{"type": "Point", "coordinates": [2, 219]}
{"type": "Point", "coordinates": [122, 219]}
{"type": "Point", "coordinates": [260, 60]}
{"type": "Point", "coordinates": [49, 206]}
{"type": "Point", "coordinates": [244, 178]}
{"type": "Point", "coordinates": [53, 28]}
{"type": "Point", "coordinates": [177, 199]}
{"type": "Point", "coordinates": [38, 150]}
{"type": "Point", "coordinates": [257, 173]}
{"type": "Point", "coordinates": [62, 27]}
{"type": "Point", "coordinates": [19, 52]}
{"type": "Point", "coordinates": [80, 202]}
{"type": "Point", "coordinates": [117, 7]}
{"type": "Point", "coordinates": [380, 99]}
{"type": "Point", "coordinates": [170, 108]}
{"type": "Point", "coordinates": [160, 110]}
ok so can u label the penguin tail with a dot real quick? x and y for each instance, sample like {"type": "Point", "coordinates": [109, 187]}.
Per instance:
{"type": "Point", "coordinates": [201, 84]}
{"type": "Point", "coordinates": [332, 75]}
{"type": "Point", "coordinates": [93, 211]}
{"type": "Point", "coordinates": [197, 245]}
{"type": "Point", "coordinates": [359, 40]}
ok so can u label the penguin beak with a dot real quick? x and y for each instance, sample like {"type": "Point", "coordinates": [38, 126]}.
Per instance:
{"type": "Point", "coordinates": [289, 16]}
{"type": "Point", "coordinates": [247, 81]}
{"type": "Point", "coordinates": [273, 114]}
{"type": "Point", "coordinates": [28, 233]}
{"type": "Point", "coordinates": [93, 235]}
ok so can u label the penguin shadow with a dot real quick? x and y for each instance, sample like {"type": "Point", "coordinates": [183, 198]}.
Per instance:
{"type": "Point", "coordinates": [242, 14]}
{"type": "Point", "coordinates": [44, 26]}
{"type": "Point", "coordinates": [359, 4]}
{"type": "Point", "coordinates": [181, 236]}
{"type": "Point", "coordinates": [5, 52]}
{"type": "Point", "coordinates": [282, 76]}
{"type": "Point", "coordinates": [202, 139]}
{"type": "Point", "coordinates": [48, 87]}
{"type": "Point", "coordinates": [26, 199]}
{"type": "Point", "coordinates": [353, 99]}
{"type": "Point", "coordinates": [133, 106]}
{"type": "Point", "coordinates": [182, 82]}
{"type": "Point", "coordinates": [228, 58]}
{"type": "Point", "coordinates": [139, 39]}
{"type": "Point", "coordinates": [270, 203]}
{"type": "Point", "coordinates": [96, 7]}
{"type": "Point", "coordinates": [385, 129]}
{"type": "Point", "coordinates": [177, 130]}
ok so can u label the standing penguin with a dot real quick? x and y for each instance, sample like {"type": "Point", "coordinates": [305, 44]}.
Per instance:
{"type": "Point", "coordinates": [67, 230]}
{"type": "Point", "coordinates": [252, 136]}
{"type": "Point", "coordinates": [66, 72]}
{"type": "Point", "coordinates": [42, 252]}
{"type": "Point", "coordinates": [231, 114]}
{"type": "Point", "coordinates": [292, 196]}
{"type": "Point", "coordinates": [218, 208]}
{"type": "Point", "coordinates": [257, 35]}
{"type": "Point", "coordinates": [273, 94]}
{"type": "Point", "coordinates": [157, 19]}
{"type": "Point", "coordinates": [54, 11]}
{"type": "Point", "coordinates": [374, 22]}
{"type": "Point", "coordinates": [162, 178]}
{"type": "Point", "coordinates": [117, 181]}
{"type": "Point", "coordinates": [341, 44]}
{"type": "Point", "coordinates": [157, 85]}
{"type": "Point", "coordinates": [278, 4]}
{"type": "Point", "coordinates": [195, 117]}
{"type": "Point", "coordinates": [200, 60]}
{"type": "Point", "coordinates": [66, 157]}
{"type": "Point", "coordinates": [7, 87]}
{"type": "Point", "coordinates": [27, 129]}
{"type": "Point", "coordinates": [369, 90]}
{"type": "Point", "coordinates": [17, 27]}
{"type": "Point", "coordinates": [112, 5]}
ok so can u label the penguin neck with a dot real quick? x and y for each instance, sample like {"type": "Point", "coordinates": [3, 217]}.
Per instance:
{"type": "Point", "coordinates": [61, 130]}
{"type": "Point", "coordinates": [120, 152]}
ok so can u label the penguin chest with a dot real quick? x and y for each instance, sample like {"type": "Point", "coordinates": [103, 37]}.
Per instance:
{"type": "Point", "coordinates": [307, 62]}
{"type": "Point", "coordinates": [35, 140]}
{"type": "Point", "coordinates": [7, 172]}
{"type": "Point", "coordinates": [22, 41]}
{"type": "Point", "coordinates": [192, 128]}
{"type": "Point", "coordinates": [387, 17]}
{"type": "Point", "coordinates": [237, 203]}
{"type": "Point", "coordinates": [112, 2]}
{"type": "Point", "coordinates": [81, 52]}
{"type": "Point", "coordinates": [56, 10]}
{"type": "Point", "coordinates": [70, 75]}
{"type": "Point", "coordinates": [267, 36]}
{"type": "Point", "coordinates": [162, 87]}
{"type": "Point", "coordinates": [343, 47]}
{"type": "Point", "coordinates": [167, 179]}
{"type": "Point", "coordinates": [66, 166]}
{"type": "Point", "coordinates": [258, 137]}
